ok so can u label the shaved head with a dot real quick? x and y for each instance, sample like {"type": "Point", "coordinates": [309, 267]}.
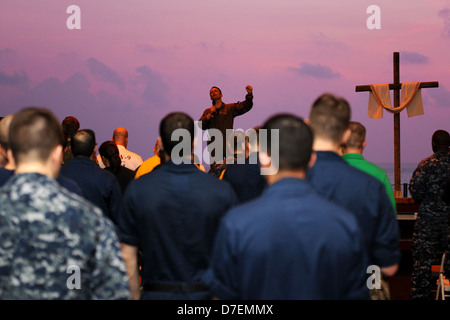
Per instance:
{"type": "Point", "coordinates": [120, 136]}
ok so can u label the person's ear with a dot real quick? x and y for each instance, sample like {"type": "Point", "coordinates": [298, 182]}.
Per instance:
{"type": "Point", "coordinates": [11, 159]}
{"type": "Point", "coordinates": [269, 165]}
{"type": "Point", "coordinates": [160, 144]}
{"type": "Point", "coordinates": [95, 151]}
{"type": "Point", "coordinates": [264, 159]}
{"type": "Point", "coordinates": [312, 160]}
{"type": "Point", "coordinates": [57, 153]}
{"type": "Point", "coordinates": [54, 160]}
{"type": "Point", "coordinates": [194, 144]}
{"type": "Point", "coordinates": [346, 136]}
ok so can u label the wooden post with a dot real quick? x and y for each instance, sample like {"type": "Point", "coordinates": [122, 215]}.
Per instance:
{"type": "Point", "coordinates": [397, 162]}
{"type": "Point", "coordinates": [396, 86]}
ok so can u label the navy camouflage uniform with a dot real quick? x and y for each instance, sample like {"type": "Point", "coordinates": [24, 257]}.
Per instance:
{"type": "Point", "coordinates": [430, 230]}
{"type": "Point", "coordinates": [45, 230]}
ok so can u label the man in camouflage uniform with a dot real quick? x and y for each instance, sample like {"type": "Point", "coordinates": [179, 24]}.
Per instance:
{"type": "Point", "coordinates": [430, 230]}
{"type": "Point", "coordinates": [54, 244]}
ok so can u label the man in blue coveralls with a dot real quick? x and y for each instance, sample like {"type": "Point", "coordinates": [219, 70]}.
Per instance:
{"type": "Point", "coordinates": [171, 215]}
{"type": "Point", "coordinates": [351, 188]}
{"type": "Point", "coordinates": [290, 243]}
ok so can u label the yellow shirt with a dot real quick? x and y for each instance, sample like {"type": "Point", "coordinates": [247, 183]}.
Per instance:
{"type": "Point", "coordinates": [147, 166]}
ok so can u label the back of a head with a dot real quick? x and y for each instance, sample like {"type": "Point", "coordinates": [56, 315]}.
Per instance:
{"type": "Point", "coordinates": [33, 135]}
{"type": "Point", "coordinates": [174, 121]}
{"type": "Point", "coordinates": [120, 135]}
{"type": "Point", "coordinates": [329, 117]}
{"type": "Point", "coordinates": [357, 136]}
{"type": "Point", "coordinates": [70, 125]}
{"type": "Point", "coordinates": [83, 143]}
{"type": "Point", "coordinates": [109, 150]}
{"type": "Point", "coordinates": [295, 141]}
{"type": "Point", "coordinates": [440, 140]}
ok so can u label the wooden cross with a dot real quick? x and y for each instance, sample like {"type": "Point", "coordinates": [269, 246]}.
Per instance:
{"type": "Point", "coordinates": [396, 86]}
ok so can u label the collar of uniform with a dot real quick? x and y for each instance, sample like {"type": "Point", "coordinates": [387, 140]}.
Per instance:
{"type": "Point", "coordinates": [327, 155]}
{"type": "Point", "coordinates": [353, 156]}
{"type": "Point", "coordinates": [83, 160]}
{"type": "Point", "coordinates": [182, 166]}
{"type": "Point", "coordinates": [288, 185]}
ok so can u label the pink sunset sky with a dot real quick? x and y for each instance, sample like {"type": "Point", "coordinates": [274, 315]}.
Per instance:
{"type": "Point", "coordinates": [134, 61]}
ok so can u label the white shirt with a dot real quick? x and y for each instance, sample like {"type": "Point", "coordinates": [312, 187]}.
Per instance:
{"type": "Point", "coordinates": [130, 159]}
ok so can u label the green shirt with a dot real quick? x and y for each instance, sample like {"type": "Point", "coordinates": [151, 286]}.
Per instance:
{"type": "Point", "coordinates": [357, 160]}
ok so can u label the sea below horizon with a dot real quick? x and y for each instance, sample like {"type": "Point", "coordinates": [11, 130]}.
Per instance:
{"type": "Point", "coordinates": [407, 169]}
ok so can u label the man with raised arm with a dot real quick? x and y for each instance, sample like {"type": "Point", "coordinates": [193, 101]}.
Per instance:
{"type": "Point", "coordinates": [221, 116]}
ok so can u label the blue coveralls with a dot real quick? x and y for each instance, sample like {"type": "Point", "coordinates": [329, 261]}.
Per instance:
{"type": "Point", "coordinates": [172, 215]}
{"type": "Point", "coordinates": [290, 243]}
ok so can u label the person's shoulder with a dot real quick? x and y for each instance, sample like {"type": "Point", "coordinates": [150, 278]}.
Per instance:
{"type": "Point", "coordinates": [210, 180]}
{"type": "Point", "coordinates": [74, 201]}
{"type": "Point", "coordinates": [80, 164]}
{"type": "Point", "coordinates": [267, 202]}
{"type": "Point", "coordinates": [439, 158]}
{"type": "Point", "coordinates": [330, 164]}
{"type": "Point", "coordinates": [5, 174]}
{"type": "Point", "coordinates": [105, 174]}
{"type": "Point", "coordinates": [145, 177]}
{"type": "Point", "coordinates": [433, 159]}
{"type": "Point", "coordinates": [214, 186]}
{"type": "Point", "coordinates": [155, 159]}
{"type": "Point", "coordinates": [247, 211]}
{"type": "Point", "coordinates": [130, 153]}
{"type": "Point", "coordinates": [148, 165]}
{"type": "Point", "coordinates": [374, 168]}
{"type": "Point", "coordinates": [321, 204]}
{"type": "Point", "coordinates": [82, 212]}
{"type": "Point", "coordinates": [343, 173]}
{"type": "Point", "coordinates": [127, 171]}
{"type": "Point", "coordinates": [69, 184]}
{"type": "Point", "coordinates": [358, 173]}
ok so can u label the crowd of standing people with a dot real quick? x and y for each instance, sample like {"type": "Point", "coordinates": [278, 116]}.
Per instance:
{"type": "Point", "coordinates": [164, 228]}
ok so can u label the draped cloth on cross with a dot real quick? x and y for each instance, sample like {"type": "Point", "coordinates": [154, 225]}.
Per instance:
{"type": "Point", "coordinates": [411, 99]}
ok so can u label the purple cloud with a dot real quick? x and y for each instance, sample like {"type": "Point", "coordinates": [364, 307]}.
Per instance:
{"type": "Point", "coordinates": [18, 79]}
{"type": "Point", "coordinates": [7, 52]}
{"type": "Point", "coordinates": [155, 90]}
{"type": "Point", "coordinates": [445, 15]}
{"type": "Point", "coordinates": [414, 58]}
{"type": "Point", "coordinates": [440, 96]}
{"type": "Point", "coordinates": [315, 70]}
{"type": "Point", "coordinates": [104, 73]}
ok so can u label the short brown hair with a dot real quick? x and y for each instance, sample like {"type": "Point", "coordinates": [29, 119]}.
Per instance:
{"type": "Point", "coordinates": [357, 135]}
{"type": "Point", "coordinates": [33, 134]}
{"type": "Point", "coordinates": [329, 117]}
